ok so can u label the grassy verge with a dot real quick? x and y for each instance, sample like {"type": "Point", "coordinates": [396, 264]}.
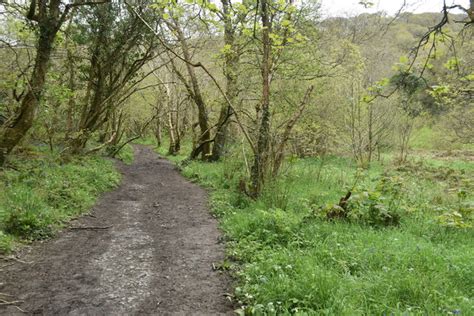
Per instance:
{"type": "Point", "coordinates": [40, 195]}
{"type": "Point", "coordinates": [289, 258]}
{"type": "Point", "coordinates": [126, 154]}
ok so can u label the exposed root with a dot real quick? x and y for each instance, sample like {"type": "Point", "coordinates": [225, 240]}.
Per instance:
{"type": "Point", "coordinates": [14, 259]}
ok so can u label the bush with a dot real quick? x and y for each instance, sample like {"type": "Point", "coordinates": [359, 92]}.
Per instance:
{"type": "Point", "coordinates": [461, 215]}
{"type": "Point", "coordinates": [378, 207]}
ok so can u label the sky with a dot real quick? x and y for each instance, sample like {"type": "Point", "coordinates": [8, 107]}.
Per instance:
{"type": "Point", "coordinates": [352, 7]}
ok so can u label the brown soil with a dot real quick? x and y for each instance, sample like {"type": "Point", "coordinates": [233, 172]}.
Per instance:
{"type": "Point", "coordinates": [149, 248]}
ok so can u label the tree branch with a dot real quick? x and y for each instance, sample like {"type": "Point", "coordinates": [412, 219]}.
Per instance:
{"type": "Point", "coordinates": [198, 65]}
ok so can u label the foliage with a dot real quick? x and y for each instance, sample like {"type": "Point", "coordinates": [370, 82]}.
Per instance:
{"type": "Point", "coordinates": [408, 82]}
{"type": "Point", "coordinates": [461, 216]}
{"type": "Point", "coordinates": [378, 207]}
{"type": "Point", "coordinates": [41, 194]}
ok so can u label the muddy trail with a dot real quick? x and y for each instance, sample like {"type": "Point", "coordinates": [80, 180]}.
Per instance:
{"type": "Point", "coordinates": [147, 248]}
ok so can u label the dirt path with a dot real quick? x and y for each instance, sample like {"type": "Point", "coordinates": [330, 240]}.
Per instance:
{"type": "Point", "coordinates": [155, 258]}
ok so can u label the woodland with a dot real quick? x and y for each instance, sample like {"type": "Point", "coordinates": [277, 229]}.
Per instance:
{"type": "Point", "coordinates": [338, 151]}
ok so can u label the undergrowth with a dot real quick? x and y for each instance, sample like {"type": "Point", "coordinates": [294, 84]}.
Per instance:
{"type": "Point", "coordinates": [289, 257]}
{"type": "Point", "coordinates": [39, 194]}
{"type": "Point", "coordinates": [126, 154]}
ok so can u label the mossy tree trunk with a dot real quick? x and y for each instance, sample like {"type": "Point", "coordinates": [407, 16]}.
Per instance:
{"type": "Point", "coordinates": [49, 19]}
{"type": "Point", "coordinates": [231, 68]}
{"type": "Point", "coordinates": [259, 167]}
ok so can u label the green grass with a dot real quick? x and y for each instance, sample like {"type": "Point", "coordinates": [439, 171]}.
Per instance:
{"type": "Point", "coordinates": [126, 154]}
{"type": "Point", "coordinates": [40, 195]}
{"type": "Point", "coordinates": [148, 141]}
{"type": "Point", "coordinates": [288, 258]}
{"type": "Point", "coordinates": [186, 147]}
{"type": "Point", "coordinates": [435, 138]}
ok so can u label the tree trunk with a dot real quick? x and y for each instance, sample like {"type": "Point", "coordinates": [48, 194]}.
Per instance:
{"type": "Point", "coordinates": [196, 95]}
{"type": "Point", "coordinates": [12, 134]}
{"type": "Point", "coordinates": [174, 146]}
{"type": "Point", "coordinates": [370, 146]}
{"type": "Point", "coordinates": [221, 133]}
{"type": "Point", "coordinates": [261, 154]}
{"type": "Point", "coordinates": [71, 83]}
{"type": "Point", "coordinates": [158, 132]}
{"type": "Point", "coordinates": [231, 74]}
{"type": "Point", "coordinates": [72, 97]}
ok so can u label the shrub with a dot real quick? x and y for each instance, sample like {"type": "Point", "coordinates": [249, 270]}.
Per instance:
{"type": "Point", "coordinates": [461, 215]}
{"type": "Point", "coordinates": [377, 207]}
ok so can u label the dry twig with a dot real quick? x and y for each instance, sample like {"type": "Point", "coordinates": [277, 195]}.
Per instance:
{"type": "Point", "coordinates": [90, 227]}
{"type": "Point", "coordinates": [4, 302]}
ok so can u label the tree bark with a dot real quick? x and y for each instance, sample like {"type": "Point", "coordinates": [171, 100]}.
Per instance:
{"type": "Point", "coordinates": [11, 135]}
{"type": "Point", "coordinates": [158, 132]}
{"type": "Point", "coordinates": [231, 75]}
{"type": "Point", "coordinates": [261, 155]}
{"type": "Point", "coordinates": [195, 94]}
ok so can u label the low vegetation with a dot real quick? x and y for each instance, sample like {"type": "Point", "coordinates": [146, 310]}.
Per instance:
{"type": "Point", "coordinates": [126, 154]}
{"type": "Point", "coordinates": [39, 194]}
{"type": "Point", "coordinates": [404, 246]}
